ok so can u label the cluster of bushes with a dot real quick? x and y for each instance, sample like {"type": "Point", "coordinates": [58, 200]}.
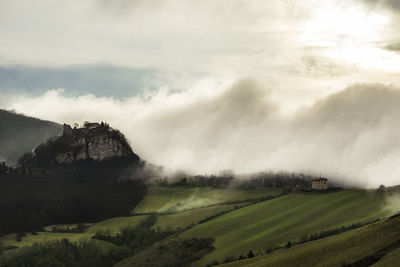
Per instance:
{"type": "Point", "coordinates": [180, 252]}
{"type": "Point", "coordinates": [4, 168]}
{"type": "Point", "coordinates": [174, 252]}
{"type": "Point", "coordinates": [19, 236]}
{"type": "Point", "coordinates": [182, 179]}
{"type": "Point", "coordinates": [65, 253]}
{"type": "Point", "coordinates": [77, 228]}
{"type": "Point", "coordinates": [276, 180]}
{"type": "Point", "coordinates": [290, 181]}
{"type": "Point", "coordinates": [228, 259]}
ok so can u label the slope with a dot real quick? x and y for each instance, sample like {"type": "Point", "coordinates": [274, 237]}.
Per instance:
{"type": "Point", "coordinates": [114, 225]}
{"type": "Point", "coordinates": [288, 218]}
{"type": "Point", "coordinates": [20, 134]}
{"type": "Point", "coordinates": [355, 246]}
{"type": "Point", "coordinates": [175, 198]}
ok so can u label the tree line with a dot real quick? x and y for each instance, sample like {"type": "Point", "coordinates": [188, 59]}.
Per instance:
{"type": "Point", "coordinates": [264, 179]}
{"type": "Point", "coordinates": [85, 191]}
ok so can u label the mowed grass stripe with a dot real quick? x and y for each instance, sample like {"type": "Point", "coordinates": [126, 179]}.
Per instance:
{"type": "Point", "coordinates": [116, 224]}
{"type": "Point", "coordinates": [289, 217]}
{"type": "Point", "coordinates": [191, 217]}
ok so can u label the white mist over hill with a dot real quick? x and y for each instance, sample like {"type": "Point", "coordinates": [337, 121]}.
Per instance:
{"type": "Point", "coordinates": [351, 135]}
{"type": "Point", "coordinates": [169, 74]}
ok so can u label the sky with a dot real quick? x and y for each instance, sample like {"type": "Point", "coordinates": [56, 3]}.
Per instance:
{"type": "Point", "coordinates": [206, 86]}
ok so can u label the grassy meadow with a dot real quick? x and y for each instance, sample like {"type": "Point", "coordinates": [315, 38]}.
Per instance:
{"type": "Point", "coordinates": [172, 199]}
{"type": "Point", "coordinates": [206, 200]}
{"type": "Point", "coordinates": [243, 220]}
{"type": "Point", "coordinates": [191, 217]}
{"type": "Point", "coordinates": [114, 225]}
{"type": "Point", "coordinates": [287, 218]}
{"type": "Point", "coordinates": [390, 259]}
{"type": "Point", "coordinates": [344, 248]}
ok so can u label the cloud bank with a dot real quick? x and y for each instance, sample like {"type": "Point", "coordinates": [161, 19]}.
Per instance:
{"type": "Point", "coordinates": [351, 135]}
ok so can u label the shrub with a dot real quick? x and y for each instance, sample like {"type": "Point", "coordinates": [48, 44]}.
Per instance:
{"type": "Point", "coordinates": [228, 259]}
{"type": "Point", "coordinates": [10, 248]}
{"type": "Point", "coordinates": [213, 263]}
{"type": "Point", "coordinates": [250, 254]}
{"type": "Point", "coordinates": [19, 236]}
{"type": "Point", "coordinates": [241, 257]}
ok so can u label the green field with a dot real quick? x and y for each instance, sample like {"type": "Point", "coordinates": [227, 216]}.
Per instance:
{"type": "Point", "coordinates": [191, 217]}
{"type": "Point", "coordinates": [114, 225]}
{"type": "Point", "coordinates": [165, 199]}
{"type": "Point", "coordinates": [335, 250]}
{"type": "Point", "coordinates": [287, 218]}
{"type": "Point", "coordinates": [164, 222]}
{"type": "Point", "coordinates": [155, 200]}
{"type": "Point", "coordinates": [243, 223]}
{"type": "Point", "coordinates": [29, 239]}
{"type": "Point", "coordinates": [390, 259]}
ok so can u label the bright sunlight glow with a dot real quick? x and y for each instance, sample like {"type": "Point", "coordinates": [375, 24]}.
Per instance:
{"type": "Point", "coordinates": [349, 34]}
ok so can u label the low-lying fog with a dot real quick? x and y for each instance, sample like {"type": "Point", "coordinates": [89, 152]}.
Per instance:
{"type": "Point", "coordinates": [352, 135]}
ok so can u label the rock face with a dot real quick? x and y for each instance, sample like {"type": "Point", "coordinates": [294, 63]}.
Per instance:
{"type": "Point", "coordinates": [94, 141]}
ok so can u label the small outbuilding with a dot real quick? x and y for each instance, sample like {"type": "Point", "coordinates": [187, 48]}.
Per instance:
{"type": "Point", "coordinates": [319, 184]}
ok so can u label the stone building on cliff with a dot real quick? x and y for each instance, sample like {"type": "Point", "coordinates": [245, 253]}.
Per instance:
{"type": "Point", "coordinates": [93, 141]}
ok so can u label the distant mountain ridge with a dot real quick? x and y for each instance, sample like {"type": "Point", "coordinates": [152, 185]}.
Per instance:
{"type": "Point", "coordinates": [20, 134]}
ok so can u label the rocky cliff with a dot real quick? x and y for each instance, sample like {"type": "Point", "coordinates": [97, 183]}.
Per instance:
{"type": "Point", "coordinates": [94, 141]}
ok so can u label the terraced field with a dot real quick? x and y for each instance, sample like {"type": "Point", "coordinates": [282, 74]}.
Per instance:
{"type": "Point", "coordinates": [287, 218]}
